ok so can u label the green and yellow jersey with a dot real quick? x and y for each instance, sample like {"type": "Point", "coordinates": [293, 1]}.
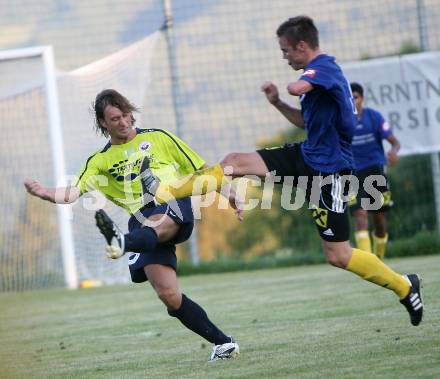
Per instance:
{"type": "Point", "coordinates": [114, 170]}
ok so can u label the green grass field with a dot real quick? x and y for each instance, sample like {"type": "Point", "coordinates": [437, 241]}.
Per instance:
{"type": "Point", "coordinates": [302, 322]}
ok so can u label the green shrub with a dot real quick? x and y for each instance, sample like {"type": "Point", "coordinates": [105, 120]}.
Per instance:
{"type": "Point", "coordinates": [423, 243]}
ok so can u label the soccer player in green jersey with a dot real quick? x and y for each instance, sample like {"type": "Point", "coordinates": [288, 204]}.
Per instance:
{"type": "Point", "coordinates": [154, 230]}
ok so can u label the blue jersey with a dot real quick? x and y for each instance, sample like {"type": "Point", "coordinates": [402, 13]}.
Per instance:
{"type": "Point", "coordinates": [367, 141]}
{"type": "Point", "coordinates": [329, 116]}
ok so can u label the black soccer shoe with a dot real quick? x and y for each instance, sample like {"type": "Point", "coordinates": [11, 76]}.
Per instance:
{"type": "Point", "coordinates": [149, 182]}
{"type": "Point", "coordinates": [113, 235]}
{"type": "Point", "coordinates": [413, 301]}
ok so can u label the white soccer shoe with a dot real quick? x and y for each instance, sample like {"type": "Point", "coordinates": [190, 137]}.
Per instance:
{"type": "Point", "coordinates": [225, 351]}
{"type": "Point", "coordinates": [113, 235]}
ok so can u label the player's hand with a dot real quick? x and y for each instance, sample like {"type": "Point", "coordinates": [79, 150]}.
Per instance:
{"type": "Point", "coordinates": [35, 188]}
{"type": "Point", "coordinates": [237, 203]}
{"type": "Point", "coordinates": [271, 92]}
{"type": "Point", "coordinates": [392, 157]}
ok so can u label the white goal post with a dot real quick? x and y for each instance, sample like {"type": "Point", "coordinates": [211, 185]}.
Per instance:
{"type": "Point", "coordinates": [57, 151]}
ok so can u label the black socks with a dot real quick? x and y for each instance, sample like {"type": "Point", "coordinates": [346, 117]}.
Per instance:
{"type": "Point", "coordinates": [195, 318]}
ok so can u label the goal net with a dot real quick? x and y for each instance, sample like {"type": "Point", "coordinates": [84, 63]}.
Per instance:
{"type": "Point", "coordinates": [31, 240]}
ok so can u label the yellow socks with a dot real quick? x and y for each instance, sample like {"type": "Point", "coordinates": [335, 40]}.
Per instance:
{"type": "Point", "coordinates": [197, 183]}
{"type": "Point", "coordinates": [372, 269]}
{"type": "Point", "coordinates": [362, 238]}
{"type": "Point", "coordinates": [379, 245]}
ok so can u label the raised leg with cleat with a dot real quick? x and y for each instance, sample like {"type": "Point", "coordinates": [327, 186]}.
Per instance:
{"type": "Point", "coordinates": [113, 235]}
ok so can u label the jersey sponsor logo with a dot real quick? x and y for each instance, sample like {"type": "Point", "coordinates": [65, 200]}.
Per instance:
{"type": "Point", "coordinates": [363, 139]}
{"type": "Point", "coordinates": [144, 146]}
{"type": "Point", "coordinates": [122, 170]}
{"type": "Point", "coordinates": [320, 216]}
{"type": "Point", "coordinates": [310, 73]}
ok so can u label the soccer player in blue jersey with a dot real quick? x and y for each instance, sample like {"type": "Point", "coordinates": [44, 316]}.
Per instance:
{"type": "Point", "coordinates": [370, 159]}
{"type": "Point", "coordinates": [328, 115]}
{"type": "Point", "coordinates": [154, 231]}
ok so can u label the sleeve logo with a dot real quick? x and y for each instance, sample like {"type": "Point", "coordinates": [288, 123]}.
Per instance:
{"type": "Point", "coordinates": [385, 126]}
{"type": "Point", "coordinates": [310, 73]}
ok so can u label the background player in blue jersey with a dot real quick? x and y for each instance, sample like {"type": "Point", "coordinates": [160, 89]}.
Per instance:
{"type": "Point", "coordinates": [154, 231]}
{"type": "Point", "coordinates": [369, 158]}
{"type": "Point", "coordinates": [328, 116]}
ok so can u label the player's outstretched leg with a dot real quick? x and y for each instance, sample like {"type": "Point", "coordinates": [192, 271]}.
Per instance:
{"type": "Point", "coordinates": [225, 351]}
{"type": "Point", "coordinates": [113, 235]}
{"type": "Point", "coordinates": [163, 192]}
{"type": "Point", "coordinates": [413, 301]}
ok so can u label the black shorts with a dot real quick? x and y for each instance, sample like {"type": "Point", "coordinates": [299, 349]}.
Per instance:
{"type": "Point", "coordinates": [382, 202]}
{"type": "Point", "coordinates": [164, 253]}
{"type": "Point", "coordinates": [327, 202]}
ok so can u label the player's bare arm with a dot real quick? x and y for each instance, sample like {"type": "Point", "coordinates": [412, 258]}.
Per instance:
{"type": "Point", "coordinates": [395, 147]}
{"type": "Point", "coordinates": [300, 87]}
{"type": "Point", "coordinates": [291, 113]}
{"type": "Point", "coordinates": [60, 195]}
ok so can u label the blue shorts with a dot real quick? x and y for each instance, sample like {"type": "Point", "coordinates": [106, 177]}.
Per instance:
{"type": "Point", "coordinates": [164, 253]}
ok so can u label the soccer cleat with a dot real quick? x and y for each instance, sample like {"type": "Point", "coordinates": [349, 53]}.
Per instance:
{"type": "Point", "coordinates": [413, 301]}
{"type": "Point", "coordinates": [149, 182]}
{"type": "Point", "coordinates": [112, 234]}
{"type": "Point", "coordinates": [225, 351]}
